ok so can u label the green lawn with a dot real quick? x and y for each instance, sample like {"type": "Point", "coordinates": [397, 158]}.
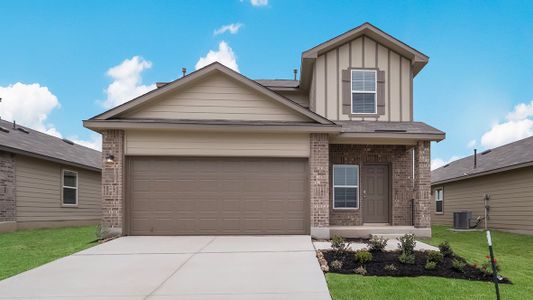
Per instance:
{"type": "Point", "coordinates": [27, 249]}
{"type": "Point", "coordinates": [514, 254]}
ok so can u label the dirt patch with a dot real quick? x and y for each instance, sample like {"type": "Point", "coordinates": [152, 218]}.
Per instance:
{"type": "Point", "coordinates": [377, 267]}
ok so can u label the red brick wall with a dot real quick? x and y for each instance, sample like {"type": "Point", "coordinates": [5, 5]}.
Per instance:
{"type": "Point", "coordinates": [398, 157]}
{"type": "Point", "coordinates": [113, 180]}
{"type": "Point", "coordinates": [319, 179]}
{"type": "Point", "coordinates": [8, 203]}
{"type": "Point", "coordinates": [422, 216]}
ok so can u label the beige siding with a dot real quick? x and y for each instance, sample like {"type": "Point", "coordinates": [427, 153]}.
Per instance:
{"type": "Point", "coordinates": [192, 143]}
{"type": "Point", "coordinates": [363, 52]}
{"type": "Point", "coordinates": [511, 200]}
{"type": "Point", "coordinates": [217, 97]}
{"type": "Point", "coordinates": [39, 193]}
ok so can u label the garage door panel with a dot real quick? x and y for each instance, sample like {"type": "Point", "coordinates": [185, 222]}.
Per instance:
{"type": "Point", "coordinates": [172, 196]}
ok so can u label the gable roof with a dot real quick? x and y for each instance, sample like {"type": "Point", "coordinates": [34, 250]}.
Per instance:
{"type": "Point", "coordinates": [213, 67]}
{"type": "Point", "coordinates": [419, 59]}
{"type": "Point", "coordinates": [507, 157]}
{"type": "Point", "coordinates": [26, 141]}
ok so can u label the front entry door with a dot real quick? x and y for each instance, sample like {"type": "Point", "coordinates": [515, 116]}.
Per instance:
{"type": "Point", "coordinates": [375, 187]}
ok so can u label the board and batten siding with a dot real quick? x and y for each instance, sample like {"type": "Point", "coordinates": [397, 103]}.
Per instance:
{"type": "Point", "coordinates": [192, 143]}
{"type": "Point", "coordinates": [363, 52]}
{"type": "Point", "coordinates": [38, 195]}
{"type": "Point", "coordinates": [511, 200]}
{"type": "Point", "coordinates": [216, 97]}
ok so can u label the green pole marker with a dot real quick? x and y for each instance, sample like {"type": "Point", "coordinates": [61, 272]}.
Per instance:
{"type": "Point", "coordinates": [494, 272]}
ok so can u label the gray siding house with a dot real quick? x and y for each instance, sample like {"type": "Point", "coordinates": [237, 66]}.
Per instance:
{"type": "Point", "coordinates": [46, 181]}
{"type": "Point", "coordinates": [503, 175]}
{"type": "Point", "coordinates": [336, 151]}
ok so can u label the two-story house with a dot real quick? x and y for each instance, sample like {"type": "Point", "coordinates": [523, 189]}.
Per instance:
{"type": "Point", "coordinates": [215, 152]}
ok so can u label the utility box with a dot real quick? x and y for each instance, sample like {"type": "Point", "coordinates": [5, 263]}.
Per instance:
{"type": "Point", "coordinates": [461, 219]}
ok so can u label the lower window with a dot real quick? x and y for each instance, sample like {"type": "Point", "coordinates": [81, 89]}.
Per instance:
{"type": "Point", "coordinates": [438, 201]}
{"type": "Point", "coordinates": [345, 186]}
{"type": "Point", "coordinates": [70, 188]}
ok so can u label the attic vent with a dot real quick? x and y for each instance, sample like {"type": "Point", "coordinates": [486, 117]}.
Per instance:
{"type": "Point", "coordinates": [390, 130]}
{"type": "Point", "coordinates": [68, 142]}
{"type": "Point", "coordinates": [486, 151]}
{"type": "Point", "coordinates": [446, 165]}
{"type": "Point", "coordinates": [3, 129]}
{"type": "Point", "coordinates": [22, 130]}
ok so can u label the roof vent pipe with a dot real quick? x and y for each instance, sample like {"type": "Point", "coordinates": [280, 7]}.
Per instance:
{"type": "Point", "coordinates": [14, 125]}
{"type": "Point", "coordinates": [295, 71]}
{"type": "Point", "coordinates": [475, 158]}
{"type": "Point", "coordinates": [183, 71]}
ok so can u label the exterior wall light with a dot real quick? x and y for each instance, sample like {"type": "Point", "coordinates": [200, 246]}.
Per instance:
{"type": "Point", "coordinates": [110, 158]}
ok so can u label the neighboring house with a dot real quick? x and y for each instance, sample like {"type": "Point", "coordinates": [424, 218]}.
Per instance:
{"type": "Point", "coordinates": [46, 181]}
{"type": "Point", "coordinates": [503, 176]}
{"type": "Point", "coordinates": [335, 152]}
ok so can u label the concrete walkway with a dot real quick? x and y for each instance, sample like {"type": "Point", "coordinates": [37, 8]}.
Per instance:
{"type": "Point", "coordinates": [392, 245]}
{"type": "Point", "coordinates": [196, 267]}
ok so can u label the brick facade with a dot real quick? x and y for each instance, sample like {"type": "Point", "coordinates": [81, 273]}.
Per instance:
{"type": "Point", "coordinates": [319, 184]}
{"type": "Point", "coordinates": [113, 181]}
{"type": "Point", "coordinates": [8, 203]}
{"type": "Point", "coordinates": [400, 161]}
{"type": "Point", "coordinates": [422, 205]}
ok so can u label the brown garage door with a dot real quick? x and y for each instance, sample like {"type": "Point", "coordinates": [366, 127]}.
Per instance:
{"type": "Point", "coordinates": [179, 196]}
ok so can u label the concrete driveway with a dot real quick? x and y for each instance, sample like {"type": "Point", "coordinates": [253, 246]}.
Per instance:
{"type": "Point", "coordinates": [195, 267]}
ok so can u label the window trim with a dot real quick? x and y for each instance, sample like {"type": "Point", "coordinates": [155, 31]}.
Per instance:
{"type": "Point", "coordinates": [63, 204]}
{"type": "Point", "coordinates": [435, 192]}
{"type": "Point", "coordinates": [375, 92]}
{"type": "Point", "coordinates": [345, 186]}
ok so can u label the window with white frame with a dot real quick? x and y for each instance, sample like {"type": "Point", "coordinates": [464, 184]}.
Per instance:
{"type": "Point", "coordinates": [438, 200]}
{"type": "Point", "coordinates": [345, 186]}
{"type": "Point", "coordinates": [364, 87]}
{"type": "Point", "coordinates": [70, 188]}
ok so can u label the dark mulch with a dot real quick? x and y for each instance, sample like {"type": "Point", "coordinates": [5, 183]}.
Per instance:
{"type": "Point", "coordinates": [381, 259]}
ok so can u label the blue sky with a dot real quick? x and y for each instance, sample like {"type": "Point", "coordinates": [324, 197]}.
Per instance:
{"type": "Point", "coordinates": [481, 62]}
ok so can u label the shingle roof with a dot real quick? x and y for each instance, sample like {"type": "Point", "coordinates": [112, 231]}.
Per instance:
{"type": "Point", "coordinates": [513, 155]}
{"type": "Point", "coordinates": [392, 127]}
{"type": "Point", "coordinates": [279, 83]}
{"type": "Point", "coordinates": [45, 146]}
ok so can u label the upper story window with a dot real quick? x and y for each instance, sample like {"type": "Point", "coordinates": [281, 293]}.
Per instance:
{"type": "Point", "coordinates": [439, 197]}
{"type": "Point", "coordinates": [364, 90]}
{"type": "Point", "coordinates": [70, 188]}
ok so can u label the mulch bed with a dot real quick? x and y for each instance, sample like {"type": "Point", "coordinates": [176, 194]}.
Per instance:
{"type": "Point", "coordinates": [381, 259]}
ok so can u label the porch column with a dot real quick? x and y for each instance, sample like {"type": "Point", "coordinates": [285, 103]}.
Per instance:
{"type": "Point", "coordinates": [319, 181]}
{"type": "Point", "coordinates": [112, 182]}
{"type": "Point", "coordinates": [8, 205]}
{"type": "Point", "coordinates": [422, 200]}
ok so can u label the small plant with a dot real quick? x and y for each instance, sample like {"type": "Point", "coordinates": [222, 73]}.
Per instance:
{"type": "Point", "coordinates": [430, 265]}
{"type": "Point", "coordinates": [377, 243]}
{"type": "Point", "coordinates": [458, 265]}
{"type": "Point", "coordinates": [434, 256]}
{"type": "Point", "coordinates": [336, 265]}
{"type": "Point", "coordinates": [339, 244]}
{"type": "Point", "coordinates": [407, 243]}
{"type": "Point", "coordinates": [363, 256]}
{"type": "Point", "coordinates": [446, 249]}
{"type": "Point", "coordinates": [361, 270]}
{"type": "Point", "coordinates": [407, 258]}
{"type": "Point", "coordinates": [390, 268]}
{"type": "Point", "coordinates": [486, 266]}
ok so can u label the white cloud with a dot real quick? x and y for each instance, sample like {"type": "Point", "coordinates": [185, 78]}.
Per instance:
{"type": "Point", "coordinates": [259, 2]}
{"type": "Point", "coordinates": [29, 105]}
{"type": "Point", "coordinates": [439, 162]}
{"type": "Point", "coordinates": [518, 125]}
{"type": "Point", "coordinates": [127, 81]}
{"type": "Point", "coordinates": [471, 144]}
{"type": "Point", "coordinates": [231, 28]}
{"type": "Point", "coordinates": [223, 55]}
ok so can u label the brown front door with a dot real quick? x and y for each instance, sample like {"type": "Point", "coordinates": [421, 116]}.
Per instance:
{"type": "Point", "coordinates": [375, 192]}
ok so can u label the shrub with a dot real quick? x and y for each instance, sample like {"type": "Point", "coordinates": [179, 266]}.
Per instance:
{"type": "Point", "coordinates": [390, 268]}
{"type": "Point", "coordinates": [486, 266]}
{"type": "Point", "coordinates": [446, 249]}
{"type": "Point", "coordinates": [430, 265]}
{"type": "Point", "coordinates": [339, 244]}
{"type": "Point", "coordinates": [407, 258]}
{"type": "Point", "coordinates": [434, 256]}
{"type": "Point", "coordinates": [361, 270]}
{"type": "Point", "coordinates": [363, 256]}
{"type": "Point", "coordinates": [407, 243]}
{"type": "Point", "coordinates": [458, 265]}
{"type": "Point", "coordinates": [377, 243]}
{"type": "Point", "coordinates": [336, 265]}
